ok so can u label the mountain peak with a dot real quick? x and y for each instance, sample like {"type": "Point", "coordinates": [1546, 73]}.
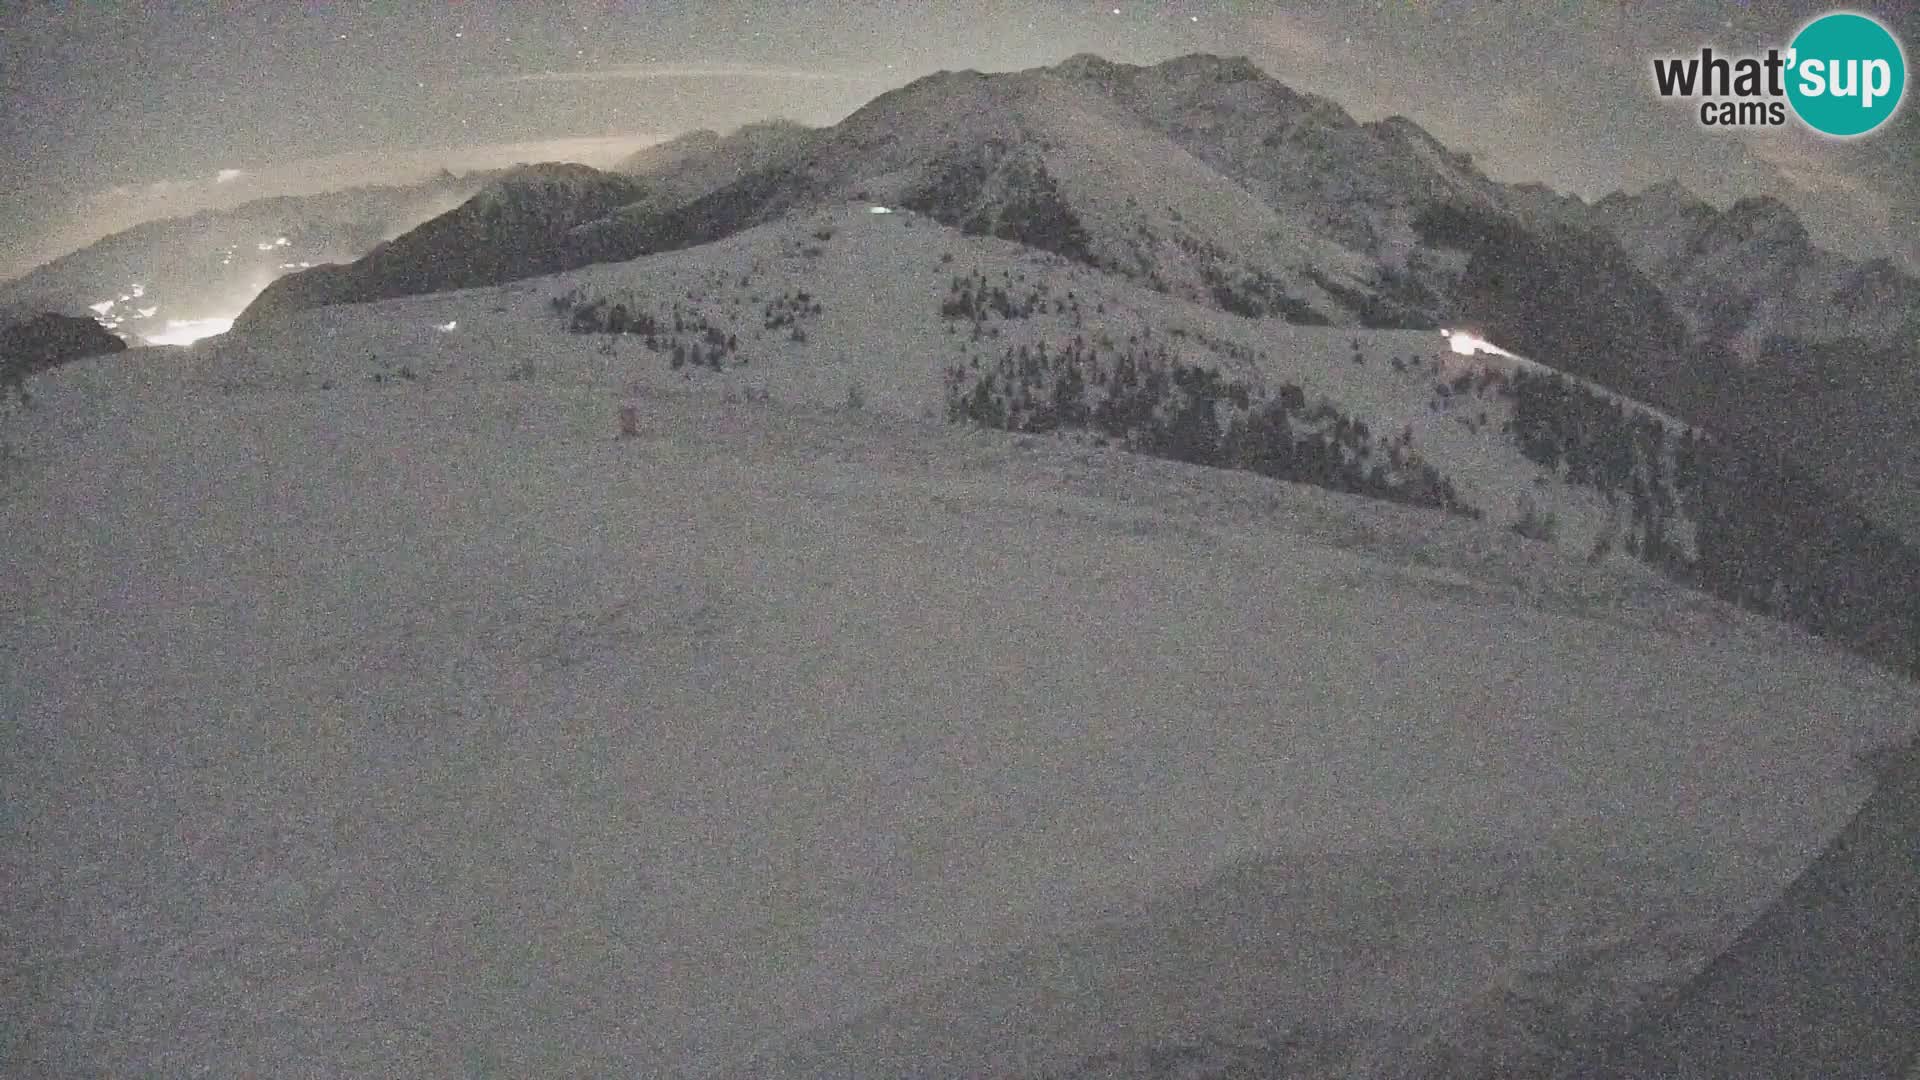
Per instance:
{"type": "Point", "coordinates": [1762, 208]}
{"type": "Point", "coordinates": [548, 172]}
{"type": "Point", "coordinates": [1090, 67]}
{"type": "Point", "coordinates": [1667, 201]}
{"type": "Point", "coordinates": [1758, 215]}
{"type": "Point", "coordinates": [1404, 128]}
{"type": "Point", "coordinates": [1219, 68]}
{"type": "Point", "coordinates": [1084, 64]}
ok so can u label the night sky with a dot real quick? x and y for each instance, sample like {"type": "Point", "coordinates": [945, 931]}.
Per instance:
{"type": "Point", "coordinates": [118, 112]}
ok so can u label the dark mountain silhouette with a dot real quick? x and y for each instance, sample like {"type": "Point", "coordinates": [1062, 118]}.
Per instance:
{"type": "Point", "coordinates": [1749, 275]}
{"type": "Point", "coordinates": [1205, 178]}
{"type": "Point", "coordinates": [1201, 177]}
{"type": "Point", "coordinates": [516, 227]}
{"type": "Point", "coordinates": [50, 339]}
{"type": "Point", "coordinates": [698, 162]}
{"type": "Point", "coordinates": [683, 170]}
{"type": "Point", "coordinates": [1790, 345]}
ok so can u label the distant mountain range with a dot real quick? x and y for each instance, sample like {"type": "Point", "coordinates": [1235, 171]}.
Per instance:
{"type": "Point", "coordinates": [1790, 347]}
{"type": "Point", "coordinates": [1747, 278]}
{"type": "Point", "coordinates": [211, 264]}
{"type": "Point", "coordinates": [1205, 178]}
{"type": "Point", "coordinates": [517, 226]}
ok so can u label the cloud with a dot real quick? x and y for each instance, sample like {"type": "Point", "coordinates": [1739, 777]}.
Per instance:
{"type": "Point", "coordinates": [640, 72]}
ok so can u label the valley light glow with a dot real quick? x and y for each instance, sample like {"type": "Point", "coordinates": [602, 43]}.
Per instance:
{"type": "Point", "coordinates": [1467, 344]}
{"type": "Point", "coordinates": [188, 331]}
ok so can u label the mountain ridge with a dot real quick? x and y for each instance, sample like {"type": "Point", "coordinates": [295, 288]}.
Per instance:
{"type": "Point", "coordinates": [1205, 178]}
{"type": "Point", "coordinates": [515, 225]}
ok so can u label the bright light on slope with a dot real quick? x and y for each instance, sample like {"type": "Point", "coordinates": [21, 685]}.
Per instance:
{"type": "Point", "coordinates": [188, 331]}
{"type": "Point", "coordinates": [1466, 344]}
{"type": "Point", "coordinates": [101, 308]}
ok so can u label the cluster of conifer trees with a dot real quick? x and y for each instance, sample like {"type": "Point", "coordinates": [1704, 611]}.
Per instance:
{"type": "Point", "coordinates": [1141, 397]}
{"type": "Point", "coordinates": [1767, 535]}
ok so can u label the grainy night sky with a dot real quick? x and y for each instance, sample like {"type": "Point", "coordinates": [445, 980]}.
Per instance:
{"type": "Point", "coordinates": [118, 112]}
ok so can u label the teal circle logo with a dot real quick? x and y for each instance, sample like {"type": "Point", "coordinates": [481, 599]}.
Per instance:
{"type": "Point", "coordinates": [1847, 74]}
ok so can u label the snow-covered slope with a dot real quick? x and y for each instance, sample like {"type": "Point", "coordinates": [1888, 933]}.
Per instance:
{"type": "Point", "coordinates": [373, 707]}
{"type": "Point", "coordinates": [1821, 983]}
{"type": "Point", "coordinates": [884, 286]}
{"type": "Point", "coordinates": [924, 321]}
